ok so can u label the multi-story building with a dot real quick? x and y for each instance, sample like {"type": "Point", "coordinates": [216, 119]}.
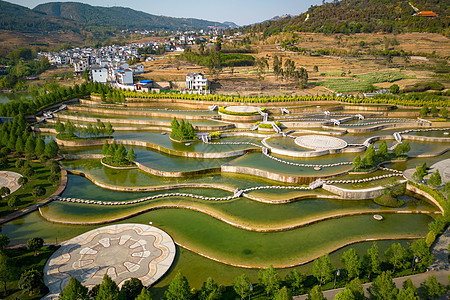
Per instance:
{"type": "Point", "coordinates": [196, 82]}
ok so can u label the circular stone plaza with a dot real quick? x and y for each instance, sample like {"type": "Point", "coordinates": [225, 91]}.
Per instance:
{"type": "Point", "coordinates": [243, 109]}
{"type": "Point", "coordinates": [320, 142]}
{"type": "Point", "coordinates": [122, 251]}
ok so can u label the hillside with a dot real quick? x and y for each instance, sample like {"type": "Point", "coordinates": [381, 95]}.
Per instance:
{"type": "Point", "coordinates": [353, 16]}
{"type": "Point", "coordinates": [121, 17]}
{"type": "Point", "coordinates": [19, 18]}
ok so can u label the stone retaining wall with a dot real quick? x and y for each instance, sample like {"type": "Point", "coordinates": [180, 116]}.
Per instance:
{"type": "Point", "coordinates": [176, 174]}
{"type": "Point", "coordinates": [237, 118]}
{"type": "Point", "coordinates": [87, 143]}
{"type": "Point", "coordinates": [426, 138]}
{"type": "Point", "coordinates": [354, 194]}
{"type": "Point", "coordinates": [105, 111]}
{"type": "Point", "coordinates": [420, 192]}
{"type": "Point", "coordinates": [138, 122]}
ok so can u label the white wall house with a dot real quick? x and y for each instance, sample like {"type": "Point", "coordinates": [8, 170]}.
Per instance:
{"type": "Point", "coordinates": [137, 69]}
{"type": "Point", "coordinates": [196, 81]}
{"type": "Point", "coordinates": [99, 74]}
{"type": "Point", "coordinates": [79, 65]}
{"type": "Point", "coordinates": [124, 76]}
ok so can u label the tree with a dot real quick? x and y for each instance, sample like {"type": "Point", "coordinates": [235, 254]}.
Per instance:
{"type": "Point", "coordinates": [108, 289]}
{"type": "Point", "coordinates": [270, 279]}
{"type": "Point", "coordinates": [74, 291]}
{"type": "Point", "coordinates": [352, 263]}
{"type": "Point", "coordinates": [346, 294]}
{"type": "Point", "coordinates": [356, 288]}
{"type": "Point", "coordinates": [7, 270]}
{"type": "Point", "coordinates": [435, 180]}
{"type": "Point", "coordinates": [178, 288]}
{"type": "Point", "coordinates": [277, 66]}
{"type": "Point", "coordinates": [30, 144]}
{"type": "Point", "coordinates": [261, 64]}
{"type": "Point", "coordinates": [423, 111]}
{"type": "Point", "coordinates": [38, 191]}
{"type": "Point", "coordinates": [357, 163]}
{"type": "Point", "coordinates": [282, 294]}
{"type": "Point", "coordinates": [316, 293]}
{"type": "Point", "coordinates": [144, 295]}
{"type": "Point", "coordinates": [420, 249]}
{"type": "Point", "coordinates": [12, 201]}
{"type": "Point", "coordinates": [105, 148]}
{"type": "Point", "coordinates": [394, 89]}
{"type": "Point", "coordinates": [130, 155]}
{"type": "Point", "coordinates": [296, 281]}
{"type": "Point", "coordinates": [34, 244]}
{"type": "Point", "coordinates": [4, 242]}
{"type": "Point", "coordinates": [210, 290]}
{"type": "Point", "coordinates": [51, 149]}
{"type": "Point", "coordinates": [434, 111]}
{"type": "Point", "coordinates": [218, 44]}
{"type": "Point", "coordinates": [396, 256]}
{"type": "Point", "coordinates": [383, 287]}
{"type": "Point", "coordinates": [109, 129]}
{"type": "Point", "coordinates": [131, 288]}
{"type": "Point", "coordinates": [373, 260]}
{"type": "Point", "coordinates": [40, 147]}
{"type": "Point", "coordinates": [323, 269]}
{"type": "Point", "coordinates": [409, 291]}
{"type": "Point", "coordinates": [369, 158]}
{"type": "Point", "coordinates": [383, 151]}
{"type": "Point", "coordinates": [316, 69]}
{"type": "Point", "coordinates": [30, 280]}
{"type": "Point", "coordinates": [5, 191]}
{"type": "Point", "coordinates": [214, 64]}
{"type": "Point", "coordinates": [19, 144]}
{"type": "Point", "coordinates": [22, 180]}
{"type": "Point", "coordinates": [431, 288]}
{"type": "Point", "coordinates": [28, 171]}
{"type": "Point", "coordinates": [242, 285]}
{"type": "Point", "coordinates": [443, 112]}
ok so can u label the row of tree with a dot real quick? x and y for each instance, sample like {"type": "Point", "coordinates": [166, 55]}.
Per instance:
{"type": "Point", "coordinates": [372, 157]}
{"type": "Point", "coordinates": [69, 129]}
{"type": "Point", "coordinates": [425, 110]}
{"type": "Point", "coordinates": [117, 155]}
{"type": "Point", "coordinates": [182, 131]}
{"type": "Point", "coordinates": [407, 100]}
{"type": "Point", "coordinates": [15, 136]}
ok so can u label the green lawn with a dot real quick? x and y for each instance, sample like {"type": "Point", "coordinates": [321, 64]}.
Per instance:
{"type": "Point", "coordinates": [25, 260]}
{"type": "Point", "coordinates": [24, 194]}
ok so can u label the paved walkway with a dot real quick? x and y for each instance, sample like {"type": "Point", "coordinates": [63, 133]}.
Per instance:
{"type": "Point", "coordinates": [122, 251]}
{"type": "Point", "coordinates": [10, 180]}
{"type": "Point", "coordinates": [36, 206]}
{"type": "Point", "coordinates": [439, 268]}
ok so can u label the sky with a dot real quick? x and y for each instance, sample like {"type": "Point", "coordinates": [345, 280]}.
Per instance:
{"type": "Point", "coordinates": [241, 12]}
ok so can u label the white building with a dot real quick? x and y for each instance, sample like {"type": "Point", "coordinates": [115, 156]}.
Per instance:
{"type": "Point", "coordinates": [80, 65]}
{"type": "Point", "coordinates": [99, 74]}
{"type": "Point", "coordinates": [196, 81]}
{"type": "Point", "coordinates": [124, 76]}
{"type": "Point", "coordinates": [137, 69]}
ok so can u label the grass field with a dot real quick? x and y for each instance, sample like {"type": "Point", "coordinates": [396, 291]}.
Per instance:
{"type": "Point", "coordinates": [25, 260]}
{"type": "Point", "coordinates": [24, 193]}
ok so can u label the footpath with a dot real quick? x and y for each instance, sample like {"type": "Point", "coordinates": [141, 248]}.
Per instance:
{"type": "Point", "coordinates": [439, 268]}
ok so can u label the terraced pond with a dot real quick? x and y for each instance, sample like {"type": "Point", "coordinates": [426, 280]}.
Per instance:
{"type": "Point", "coordinates": [267, 218]}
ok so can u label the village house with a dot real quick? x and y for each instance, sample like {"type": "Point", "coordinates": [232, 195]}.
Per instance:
{"type": "Point", "coordinates": [196, 82]}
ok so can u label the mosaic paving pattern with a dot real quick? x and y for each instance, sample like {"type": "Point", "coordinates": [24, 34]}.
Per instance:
{"type": "Point", "coordinates": [10, 180]}
{"type": "Point", "coordinates": [122, 251]}
{"type": "Point", "coordinates": [320, 142]}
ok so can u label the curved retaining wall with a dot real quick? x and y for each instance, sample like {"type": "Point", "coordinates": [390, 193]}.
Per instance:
{"type": "Point", "coordinates": [420, 192]}
{"type": "Point", "coordinates": [274, 176]}
{"type": "Point", "coordinates": [150, 188]}
{"type": "Point", "coordinates": [176, 174]}
{"type": "Point", "coordinates": [138, 122]}
{"type": "Point", "coordinates": [425, 138]}
{"type": "Point", "coordinates": [386, 127]}
{"type": "Point", "coordinates": [105, 111]}
{"type": "Point", "coordinates": [157, 148]}
{"type": "Point", "coordinates": [237, 118]}
{"type": "Point", "coordinates": [355, 194]}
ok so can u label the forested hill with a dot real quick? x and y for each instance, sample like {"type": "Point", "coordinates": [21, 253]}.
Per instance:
{"type": "Point", "coordinates": [353, 16]}
{"type": "Point", "coordinates": [19, 18]}
{"type": "Point", "coordinates": [121, 17]}
{"type": "Point", "coordinates": [78, 17]}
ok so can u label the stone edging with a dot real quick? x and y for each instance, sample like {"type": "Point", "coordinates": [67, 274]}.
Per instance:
{"type": "Point", "coordinates": [117, 168]}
